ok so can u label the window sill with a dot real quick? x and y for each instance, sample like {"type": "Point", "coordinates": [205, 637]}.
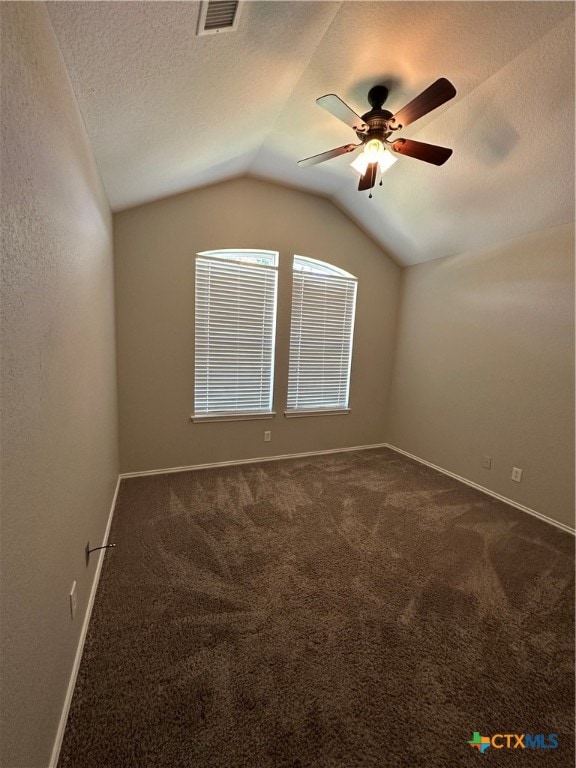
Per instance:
{"type": "Point", "coordinates": [232, 417]}
{"type": "Point", "coordinates": [297, 414]}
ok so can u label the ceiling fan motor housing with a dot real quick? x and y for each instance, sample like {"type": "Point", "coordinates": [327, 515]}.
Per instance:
{"type": "Point", "coordinates": [377, 121]}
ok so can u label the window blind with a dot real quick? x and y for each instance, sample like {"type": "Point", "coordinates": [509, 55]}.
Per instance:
{"type": "Point", "coordinates": [323, 308]}
{"type": "Point", "coordinates": [235, 317]}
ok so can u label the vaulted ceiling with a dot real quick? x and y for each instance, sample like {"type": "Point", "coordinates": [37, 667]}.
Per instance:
{"type": "Point", "coordinates": [167, 111]}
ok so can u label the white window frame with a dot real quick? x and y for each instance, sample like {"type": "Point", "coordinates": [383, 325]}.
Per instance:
{"type": "Point", "coordinates": [233, 273]}
{"type": "Point", "coordinates": [314, 283]}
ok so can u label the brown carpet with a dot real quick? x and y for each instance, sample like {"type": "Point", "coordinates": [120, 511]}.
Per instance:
{"type": "Point", "coordinates": [354, 609]}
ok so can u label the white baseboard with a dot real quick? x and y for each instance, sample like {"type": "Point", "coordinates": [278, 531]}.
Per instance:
{"type": "Point", "coordinates": [495, 495]}
{"type": "Point", "coordinates": [236, 462]}
{"type": "Point", "coordinates": [79, 650]}
{"type": "Point", "coordinates": [258, 460]}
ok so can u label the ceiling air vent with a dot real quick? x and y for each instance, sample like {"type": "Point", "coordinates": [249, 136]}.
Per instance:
{"type": "Point", "coordinates": [218, 16]}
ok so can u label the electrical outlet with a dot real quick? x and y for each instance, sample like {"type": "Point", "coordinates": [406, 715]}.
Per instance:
{"type": "Point", "coordinates": [487, 462]}
{"type": "Point", "coordinates": [516, 474]}
{"type": "Point", "coordinates": [267, 436]}
{"type": "Point", "coordinates": [73, 600]}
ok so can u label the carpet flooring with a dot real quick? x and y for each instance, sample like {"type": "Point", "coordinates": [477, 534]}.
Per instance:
{"type": "Point", "coordinates": [352, 609]}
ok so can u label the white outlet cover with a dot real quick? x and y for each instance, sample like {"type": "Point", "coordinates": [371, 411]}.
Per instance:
{"type": "Point", "coordinates": [516, 474]}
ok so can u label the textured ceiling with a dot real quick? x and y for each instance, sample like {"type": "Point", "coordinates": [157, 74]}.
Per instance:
{"type": "Point", "coordinates": [168, 111]}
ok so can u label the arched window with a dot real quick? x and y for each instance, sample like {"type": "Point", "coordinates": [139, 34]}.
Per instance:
{"type": "Point", "coordinates": [235, 317]}
{"type": "Point", "coordinates": [321, 334]}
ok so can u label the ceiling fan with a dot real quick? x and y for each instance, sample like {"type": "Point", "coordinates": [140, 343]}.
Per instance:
{"type": "Point", "coordinates": [376, 127]}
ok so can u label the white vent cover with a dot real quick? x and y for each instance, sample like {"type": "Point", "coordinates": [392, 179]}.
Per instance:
{"type": "Point", "coordinates": [218, 16]}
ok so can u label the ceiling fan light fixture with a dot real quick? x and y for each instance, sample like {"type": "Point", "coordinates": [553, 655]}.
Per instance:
{"type": "Point", "coordinates": [386, 160]}
{"type": "Point", "coordinates": [374, 152]}
{"type": "Point", "coordinates": [373, 149]}
{"type": "Point", "coordinates": [360, 164]}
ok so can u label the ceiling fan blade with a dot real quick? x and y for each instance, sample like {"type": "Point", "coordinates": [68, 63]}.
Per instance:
{"type": "Point", "coordinates": [434, 96]}
{"type": "Point", "coordinates": [342, 111]}
{"type": "Point", "coordinates": [430, 153]}
{"type": "Point", "coordinates": [328, 155]}
{"type": "Point", "coordinates": [369, 179]}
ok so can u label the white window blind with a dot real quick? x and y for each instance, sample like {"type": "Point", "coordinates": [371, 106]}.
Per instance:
{"type": "Point", "coordinates": [235, 318]}
{"type": "Point", "coordinates": [321, 333]}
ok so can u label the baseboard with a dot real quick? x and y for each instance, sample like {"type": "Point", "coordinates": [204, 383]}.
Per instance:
{"type": "Point", "coordinates": [237, 462]}
{"type": "Point", "coordinates": [494, 495]}
{"type": "Point", "coordinates": [78, 658]}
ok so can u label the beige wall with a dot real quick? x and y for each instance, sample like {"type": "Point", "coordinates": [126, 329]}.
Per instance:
{"type": "Point", "coordinates": [155, 246]}
{"type": "Point", "coordinates": [485, 365]}
{"type": "Point", "coordinates": [59, 421]}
